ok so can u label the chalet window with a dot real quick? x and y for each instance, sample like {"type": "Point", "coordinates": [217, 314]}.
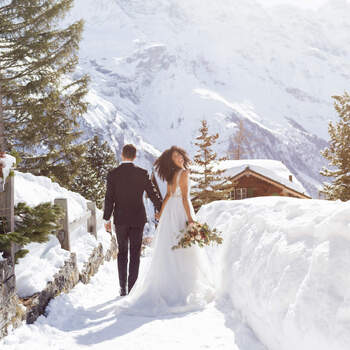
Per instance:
{"type": "Point", "coordinates": [239, 193]}
{"type": "Point", "coordinates": [250, 192]}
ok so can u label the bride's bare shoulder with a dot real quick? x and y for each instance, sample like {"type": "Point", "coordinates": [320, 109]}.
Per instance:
{"type": "Point", "coordinates": [184, 175]}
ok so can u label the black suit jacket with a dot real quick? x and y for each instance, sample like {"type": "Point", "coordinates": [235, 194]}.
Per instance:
{"type": "Point", "coordinates": [126, 185]}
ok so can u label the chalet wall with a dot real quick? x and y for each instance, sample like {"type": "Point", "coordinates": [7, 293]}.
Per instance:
{"type": "Point", "coordinates": [258, 187]}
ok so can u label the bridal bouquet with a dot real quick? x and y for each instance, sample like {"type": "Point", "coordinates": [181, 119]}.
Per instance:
{"type": "Point", "coordinates": [197, 233]}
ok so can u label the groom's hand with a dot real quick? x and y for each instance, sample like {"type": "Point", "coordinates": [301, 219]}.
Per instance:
{"type": "Point", "coordinates": [108, 226]}
{"type": "Point", "coordinates": [157, 216]}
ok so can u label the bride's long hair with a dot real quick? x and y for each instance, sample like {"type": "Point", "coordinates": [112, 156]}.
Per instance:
{"type": "Point", "coordinates": [165, 166]}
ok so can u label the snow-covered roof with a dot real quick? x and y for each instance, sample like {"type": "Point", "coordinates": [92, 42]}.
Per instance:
{"type": "Point", "coordinates": [273, 169]}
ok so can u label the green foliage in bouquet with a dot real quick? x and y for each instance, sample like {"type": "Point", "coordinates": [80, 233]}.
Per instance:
{"type": "Point", "coordinates": [33, 224]}
{"type": "Point", "coordinates": [199, 234]}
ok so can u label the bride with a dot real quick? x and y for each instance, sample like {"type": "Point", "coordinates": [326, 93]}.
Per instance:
{"type": "Point", "coordinates": [175, 280]}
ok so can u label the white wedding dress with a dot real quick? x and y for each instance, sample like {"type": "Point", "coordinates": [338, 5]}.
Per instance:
{"type": "Point", "coordinates": [175, 280]}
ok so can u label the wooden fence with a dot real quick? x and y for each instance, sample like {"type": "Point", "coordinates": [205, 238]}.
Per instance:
{"type": "Point", "coordinates": [7, 200]}
{"type": "Point", "coordinates": [10, 316]}
{"type": "Point", "coordinates": [88, 220]}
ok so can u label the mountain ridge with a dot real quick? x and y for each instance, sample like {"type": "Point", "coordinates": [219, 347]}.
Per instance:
{"type": "Point", "coordinates": [159, 67]}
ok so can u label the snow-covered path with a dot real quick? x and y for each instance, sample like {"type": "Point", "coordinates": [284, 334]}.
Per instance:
{"type": "Point", "coordinates": [86, 318]}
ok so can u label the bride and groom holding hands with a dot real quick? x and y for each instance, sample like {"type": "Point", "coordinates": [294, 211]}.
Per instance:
{"type": "Point", "coordinates": [174, 280]}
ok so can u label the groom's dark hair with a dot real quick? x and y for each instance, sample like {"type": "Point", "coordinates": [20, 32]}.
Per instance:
{"type": "Point", "coordinates": [129, 151]}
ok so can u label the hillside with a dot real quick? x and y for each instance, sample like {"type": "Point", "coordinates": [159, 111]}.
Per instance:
{"type": "Point", "coordinates": [159, 67]}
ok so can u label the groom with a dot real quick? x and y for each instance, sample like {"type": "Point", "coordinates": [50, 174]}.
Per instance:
{"type": "Point", "coordinates": [126, 185]}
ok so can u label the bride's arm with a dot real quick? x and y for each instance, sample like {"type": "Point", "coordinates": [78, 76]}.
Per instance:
{"type": "Point", "coordinates": [164, 201]}
{"type": "Point", "coordinates": [185, 197]}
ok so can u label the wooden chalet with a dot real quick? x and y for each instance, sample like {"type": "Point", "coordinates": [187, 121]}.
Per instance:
{"type": "Point", "coordinates": [260, 177]}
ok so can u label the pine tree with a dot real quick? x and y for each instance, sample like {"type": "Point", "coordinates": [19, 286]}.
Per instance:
{"type": "Point", "coordinates": [239, 143]}
{"type": "Point", "coordinates": [31, 225]}
{"type": "Point", "coordinates": [210, 184]}
{"type": "Point", "coordinates": [91, 180]}
{"type": "Point", "coordinates": [338, 153]}
{"type": "Point", "coordinates": [41, 104]}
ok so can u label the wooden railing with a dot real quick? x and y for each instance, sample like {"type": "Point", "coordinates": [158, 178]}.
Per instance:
{"type": "Point", "coordinates": [88, 219]}
{"type": "Point", "coordinates": [91, 220]}
{"type": "Point", "coordinates": [7, 209]}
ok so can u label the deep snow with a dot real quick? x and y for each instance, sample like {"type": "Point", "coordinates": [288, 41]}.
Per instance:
{"type": "Point", "coordinates": [285, 266]}
{"type": "Point", "coordinates": [85, 318]}
{"type": "Point", "coordinates": [282, 276]}
{"type": "Point", "coordinates": [31, 277]}
{"type": "Point", "coordinates": [39, 189]}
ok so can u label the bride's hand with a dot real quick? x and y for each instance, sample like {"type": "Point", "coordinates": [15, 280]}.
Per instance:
{"type": "Point", "coordinates": [190, 221]}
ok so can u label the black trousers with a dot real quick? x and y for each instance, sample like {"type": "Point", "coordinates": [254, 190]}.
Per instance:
{"type": "Point", "coordinates": [128, 234]}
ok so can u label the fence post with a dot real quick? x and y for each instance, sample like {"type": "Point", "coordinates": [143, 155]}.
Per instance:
{"type": "Point", "coordinates": [91, 222]}
{"type": "Point", "coordinates": [7, 207]}
{"type": "Point", "coordinates": [63, 234]}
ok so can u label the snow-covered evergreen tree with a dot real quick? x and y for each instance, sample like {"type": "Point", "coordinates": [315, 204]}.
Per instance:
{"type": "Point", "coordinates": [338, 152]}
{"type": "Point", "coordinates": [239, 143]}
{"type": "Point", "coordinates": [41, 101]}
{"type": "Point", "coordinates": [209, 182]}
{"type": "Point", "coordinates": [91, 180]}
{"type": "Point", "coordinates": [32, 224]}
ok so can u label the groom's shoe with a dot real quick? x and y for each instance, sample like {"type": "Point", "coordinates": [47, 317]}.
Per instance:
{"type": "Point", "coordinates": [122, 292]}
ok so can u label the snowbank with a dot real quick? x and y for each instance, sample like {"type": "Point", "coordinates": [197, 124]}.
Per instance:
{"type": "Point", "coordinates": [284, 265]}
{"type": "Point", "coordinates": [44, 260]}
{"type": "Point", "coordinates": [7, 163]}
{"type": "Point", "coordinates": [84, 243]}
{"type": "Point", "coordinates": [39, 265]}
{"type": "Point", "coordinates": [39, 189]}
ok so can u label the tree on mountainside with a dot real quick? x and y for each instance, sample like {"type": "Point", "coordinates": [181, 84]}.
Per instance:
{"type": "Point", "coordinates": [91, 180]}
{"type": "Point", "coordinates": [209, 182]}
{"type": "Point", "coordinates": [337, 153]}
{"type": "Point", "coordinates": [41, 102]}
{"type": "Point", "coordinates": [239, 145]}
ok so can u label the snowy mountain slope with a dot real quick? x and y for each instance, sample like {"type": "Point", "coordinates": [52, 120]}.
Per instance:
{"type": "Point", "coordinates": [160, 66]}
